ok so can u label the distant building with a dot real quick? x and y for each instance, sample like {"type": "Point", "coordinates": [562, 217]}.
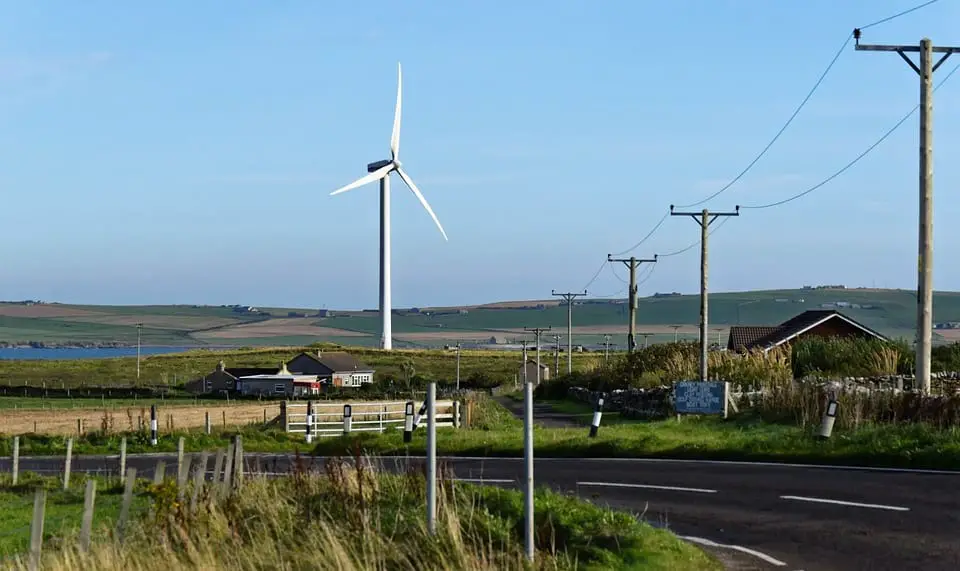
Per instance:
{"type": "Point", "coordinates": [816, 322]}
{"type": "Point", "coordinates": [531, 368]}
{"type": "Point", "coordinates": [280, 384]}
{"type": "Point", "coordinates": [223, 380]}
{"type": "Point", "coordinates": [337, 368]}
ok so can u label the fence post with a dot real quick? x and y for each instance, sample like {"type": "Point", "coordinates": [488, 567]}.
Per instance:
{"type": "Point", "coordinates": [86, 525]}
{"type": "Point", "coordinates": [238, 460]}
{"type": "Point", "coordinates": [153, 425]}
{"type": "Point", "coordinates": [347, 418]}
{"type": "Point", "coordinates": [36, 528]}
{"type": "Point", "coordinates": [180, 474]}
{"type": "Point", "coordinates": [16, 459]}
{"type": "Point", "coordinates": [66, 465]}
{"type": "Point", "coordinates": [79, 427]}
{"type": "Point", "coordinates": [206, 422]}
{"type": "Point", "coordinates": [283, 416]}
{"type": "Point", "coordinates": [456, 414]}
{"type": "Point", "coordinates": [159, 472]}
{"type": "Point", "coordinates": [408, 423]}
{"type": "Point", "coordinates": [127, 499]}
{"type": "Point", "coordinates": [227, 470]}
{"type": "Point", "coordinates": [123, 456]}
{"type": "Point", "coordinates": [218, 465]}
{"type": "Point", "coordinates": [199, 476]}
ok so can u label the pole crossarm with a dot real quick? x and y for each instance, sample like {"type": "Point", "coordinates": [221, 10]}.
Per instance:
{"type": "Point", "coordinates": [711, 216]}
{"type": "Point", "coordinates": [628, 261]}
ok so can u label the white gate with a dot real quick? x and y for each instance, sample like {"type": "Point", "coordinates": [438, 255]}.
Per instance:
{"type": "Point", "coordinates": [366, 416]}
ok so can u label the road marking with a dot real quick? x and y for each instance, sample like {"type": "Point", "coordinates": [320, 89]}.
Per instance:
{"type": "Point", "coordinates": [747, 550]}
{"type": "Point", "coordinates": [845, 503]}
{"type": "Point", "coordinates": [647, 486]}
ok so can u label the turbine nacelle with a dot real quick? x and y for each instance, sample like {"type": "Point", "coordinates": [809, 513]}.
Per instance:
{"type": "Point", "coordinates": [374, 167]}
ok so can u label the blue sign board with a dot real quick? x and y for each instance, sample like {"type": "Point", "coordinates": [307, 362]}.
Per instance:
{"type": "Point", "coordinates": [699, 397]}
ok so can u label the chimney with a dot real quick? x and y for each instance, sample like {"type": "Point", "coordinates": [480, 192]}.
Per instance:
{"type": "Point", "coordinates": [319, 353]}
{"type": "Point", "coordinates": [283, 368]}
{"type": "Point", "coordinates": [221, 366]}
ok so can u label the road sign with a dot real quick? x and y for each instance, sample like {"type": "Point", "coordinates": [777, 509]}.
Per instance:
{"type": "Point", "coordinates": [699, 397]}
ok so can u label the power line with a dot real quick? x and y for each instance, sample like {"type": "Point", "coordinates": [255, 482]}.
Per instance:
{"type": "Point", "coordinates": [595, 276]}
{"type": "Point", "coordinates": [856, 160]}
{"type": "Point", "coordinates": [691, 246]}
{"type": "Point", "coordinates": [796, 112]}
{"type": "Point", "coordinates": [616, 275]}
{"type": "Point", "coordinates": [645, 238]}
{"type": "Point", "coordinates": [895, 16]}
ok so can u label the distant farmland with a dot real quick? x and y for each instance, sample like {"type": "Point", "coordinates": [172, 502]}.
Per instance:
{"type": "Point", "coordinates": [889, 311]}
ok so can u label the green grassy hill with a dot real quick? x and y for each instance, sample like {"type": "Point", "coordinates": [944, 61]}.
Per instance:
{"type": "Point", "coordinates": [892, 312]}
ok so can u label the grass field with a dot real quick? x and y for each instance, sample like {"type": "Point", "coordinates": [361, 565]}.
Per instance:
{"type": "Point", "coordinates": [890, 311]}
{"type": "Point", "coordinates": [179, 367]}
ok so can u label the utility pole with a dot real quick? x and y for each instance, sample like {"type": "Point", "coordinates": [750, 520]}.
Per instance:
{"type": "Point", "coordinates": [537, 331]}
{"type": "Point", "coordinates": [925, 70]}
{"type": "Point", "coordinates": [139, 330]}
{"type": "Point", "coordinates": [458, 365]}
{"type": "Point", "coordinates": [606, 349]}
{"type": "Point", "coordinates": [568, 297]}
{"type": "Point", "coordinates": [632, 263]}
{"type": "Point", "coordinates": [556, 355]}
{"type": "Point", "coordinates": [704, 218]}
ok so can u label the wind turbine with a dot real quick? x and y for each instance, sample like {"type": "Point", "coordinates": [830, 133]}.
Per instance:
{"type": "Point", "coordinates": [381, 170]}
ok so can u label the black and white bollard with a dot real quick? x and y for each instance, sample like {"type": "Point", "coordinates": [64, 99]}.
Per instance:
{"type": "Point", "coordinates": [309, 422]}
{"type": "Point", "coordinates": [347, 418]}
{"type": "Point", "coordinates": [423, 411]}
{"type": "Point", "coordinates": [829, 417]}
{"type": "Point", "coordinates": [408, 423]}
{"type": "Point", "coordinates": [597, 413]}
{"type": "Point", "coordinates": [153, 425]}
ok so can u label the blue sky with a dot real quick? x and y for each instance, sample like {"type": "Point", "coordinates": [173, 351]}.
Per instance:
{"type": "Point", "coordinates": [183, 152]}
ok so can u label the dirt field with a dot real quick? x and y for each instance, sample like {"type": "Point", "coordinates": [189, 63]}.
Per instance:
{"type": "Point", "coordinates": [127, 418]}
{"type": "Point", "coordinates": [622, 329]}
{"type": "Point", "coordinates": [277, 328]}
{"type": "Point", "coordinates": [182, 322]}
{"type": "Point", "coordinates": [17, 310]}
{"type": "Point", "coordinates": [949, 334]}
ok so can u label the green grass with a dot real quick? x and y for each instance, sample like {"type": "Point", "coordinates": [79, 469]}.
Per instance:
{"type": "Point", "coordinates": [893, 313]}
{"type": "Point", "coordinates": [63, 510]}
{"type": "Point", "coordinates": [167, 369]}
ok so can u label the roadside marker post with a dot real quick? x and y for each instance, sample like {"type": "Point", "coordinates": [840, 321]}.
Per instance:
{"type": "Point", "coordinates": [408, 423]}
{"type": "Point", "coordinates": [829, 417]}
{"type": "Point", "coordinates": [153, 425]}
{"type": "Point", "coordinates": [347, 419]}
{"type": "Point", "coordinates": [419, 416]}
{"type": "Point", "coordinates": [309, 422]}
{"type": "Point", "coordinates": [597, 413]}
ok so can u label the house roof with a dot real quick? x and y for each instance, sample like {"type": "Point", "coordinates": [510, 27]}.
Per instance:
{"type": "Point", "coordinates": [237, 372]}
{"type": "Point", "coordinates": [279, 377]}
{"type": "Point", "coordinates": [338, 361]}
{"type": "Point", "coordinates": [747, 336]}
{"type": "Point", "coordinates": [792, 328]}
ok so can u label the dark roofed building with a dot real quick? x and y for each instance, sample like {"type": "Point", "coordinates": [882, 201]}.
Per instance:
{"type": "Point", "coordinates": [224, 379]}
{"type": "Point", "coordinates": [818, 322]}
{"type": "Point", "coordinates": [337, 368]}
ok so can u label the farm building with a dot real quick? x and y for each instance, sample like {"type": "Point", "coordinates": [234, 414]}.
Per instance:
{"type": "Point", "coordinates": [531, 368]}
{"type": "Point", "coordinates": [282, 383]}
{"type": "Point", "coordinates": [337, 368]}
{"type": "Point", "coordinates": [224, 379]}
{"type": "Point", "coordinates": [816, 322]}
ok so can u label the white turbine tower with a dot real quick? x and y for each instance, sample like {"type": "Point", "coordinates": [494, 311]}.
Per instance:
{"type": "Point", "coordinates": [381, 170]}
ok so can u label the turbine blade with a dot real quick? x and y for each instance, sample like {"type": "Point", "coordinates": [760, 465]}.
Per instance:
{"type": "Point", "coordinates": [375, 175]}
{"type": "Point", "coordinates": [395, 137]}
{"type": "Point", "coordinates": [423, 201]}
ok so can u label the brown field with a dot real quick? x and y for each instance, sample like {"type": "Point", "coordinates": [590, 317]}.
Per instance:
{"type": "Point", "coordinates": [17, 310]}
{"type": "Point", "coordinates": [64, 421]}
{"type": "Point", "coordinates": [949, 334]}
{"type": "Point", "coordinates": [277, 328]}
{"type": "Point", "coordinates": [179, 322]}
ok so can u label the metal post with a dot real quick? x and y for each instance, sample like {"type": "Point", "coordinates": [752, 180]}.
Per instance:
{"type": "Point", "coordinates": [123, 456]}
{"type": "Point", "coordinates": [704, 218]}
{"type": "Point", "coordinates": [528, 470]}
{"type": "Point", "coordinates": [309, 422]}
{"type": "Point", "coordinates": [432, 457]}
{"type": "Point", "coordinates": [632, 264]}
{"type": "Point", "coordinates": [597, 413]}
{"type": "Point", "coordinates": [523, 344]}
{"type": "Point", "coordinates": [925, 70]}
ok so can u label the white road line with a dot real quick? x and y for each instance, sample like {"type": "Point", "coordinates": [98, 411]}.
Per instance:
{"type": "Point", "coordinates": [647, 486]}
{"type": "Point", "coordinates": [845, 503]}
{"type": "Point", "coordinates": [747, 550]}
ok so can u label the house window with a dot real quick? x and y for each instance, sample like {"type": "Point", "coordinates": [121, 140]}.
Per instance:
{"type": "Point", "coordinates": [279, 389]}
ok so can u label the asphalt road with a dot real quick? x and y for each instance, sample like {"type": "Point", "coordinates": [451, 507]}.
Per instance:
{"type": "Point", "coordinates": [773, 516]}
